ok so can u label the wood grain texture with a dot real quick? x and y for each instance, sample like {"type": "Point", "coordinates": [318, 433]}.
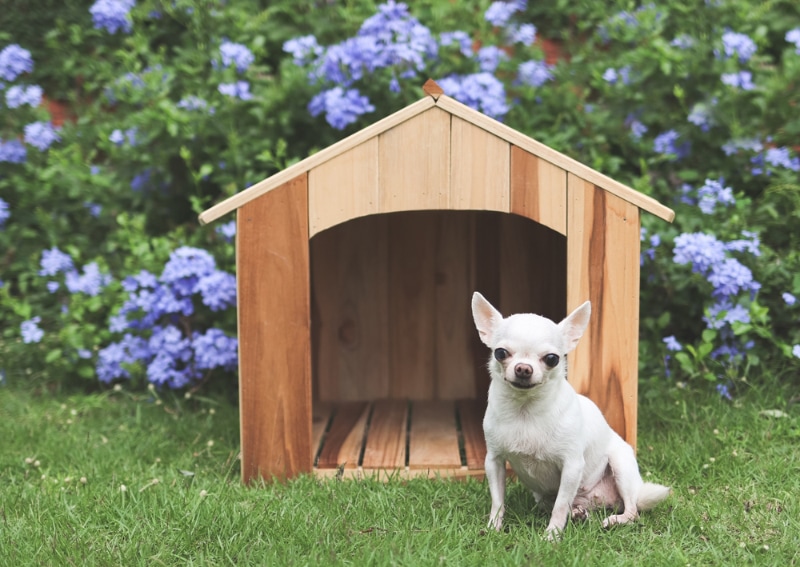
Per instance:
{"type": "Point", "coordinates": [433, 439]}
{"type": "Point", "coordinates": [344, 441]}
{"type": "Point", "coordinates": [412, 305]}
{"type": "Point", "coordinates": [344, 187]}
{"type": "Point", "coordinates": [558, 159]}
{"type": "Point", "coordinates": [454, 329]}
{"type": "Point", "coordinates": [470, 416]}
{"type": "Point", "coordinates": [533, 264]}
{"type": "Point", "coordinates": [351, 320]}
{"type": "Point", "coordinates": [479, 169]}
{"type": "Point", "coordinates": [386, 441]}
{"type": "Point", "coordinates": [538, 190]}
{"type": "Point", "coordinates": [274, 333]}
{"type": "Point", "coordinates": [414, 164]}
{"type": "Point", "coordinates": [302, 167]}
{"type": "Point", "coordinates": [603, 266]}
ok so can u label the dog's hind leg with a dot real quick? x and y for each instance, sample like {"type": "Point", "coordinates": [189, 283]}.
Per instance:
{"type": "Point", "coordinates": [628, 482]}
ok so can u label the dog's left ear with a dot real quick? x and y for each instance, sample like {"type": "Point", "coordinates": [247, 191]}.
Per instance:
{"type": "Point", "coordinates": [575, 324]}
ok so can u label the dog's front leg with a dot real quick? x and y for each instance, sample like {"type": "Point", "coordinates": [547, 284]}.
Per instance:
{"type": "Point", "coordinates": [571, 475]}
{"type": "Point", "coordinates": [496, 476]}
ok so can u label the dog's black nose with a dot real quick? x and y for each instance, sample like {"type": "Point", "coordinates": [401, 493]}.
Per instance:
{"type": "Point", "coordinates": [523, 370]}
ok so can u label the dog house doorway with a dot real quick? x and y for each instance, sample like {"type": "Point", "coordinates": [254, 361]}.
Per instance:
{"type": "Point", "coordinates": [398, 372]}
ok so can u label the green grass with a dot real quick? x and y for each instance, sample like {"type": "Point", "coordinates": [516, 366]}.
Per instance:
{"type": "Point", "coordinates": [63, 461]}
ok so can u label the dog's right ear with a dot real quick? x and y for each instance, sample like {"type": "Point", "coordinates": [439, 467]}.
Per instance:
{"type": "Point", "coordinates": [486, 317]}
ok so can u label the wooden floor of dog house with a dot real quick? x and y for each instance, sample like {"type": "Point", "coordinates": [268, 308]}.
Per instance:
{"type": "Point", "coordinates": [394, 438]}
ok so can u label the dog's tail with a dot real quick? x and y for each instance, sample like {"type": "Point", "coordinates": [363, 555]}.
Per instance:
{"type": "Point", "coordinates": [650, 495]}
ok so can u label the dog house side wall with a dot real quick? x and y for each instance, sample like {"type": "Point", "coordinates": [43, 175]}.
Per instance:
{"type": "Point", "coordinates": [603, 266]}
{"type": "Point", "coordinates": [274, 333]}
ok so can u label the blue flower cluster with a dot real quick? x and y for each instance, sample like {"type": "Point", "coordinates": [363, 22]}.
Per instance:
{"type": "Point", "coordinates": [156, 322]}
{"type": "Point", "coordinates": [112, 15]}
{"type": "Point", "coordinates": [90, 282]}
{"type": "Point", "coordinates": [394, 40]}
{"type": "Point", "coordinates": [239, 89]}
{"type": "Point", "coordinates": [236, 55]}
{"type": "Point", "coordinates": [793, 36]}
{"type": "Point", "coordinates": [15, 61]}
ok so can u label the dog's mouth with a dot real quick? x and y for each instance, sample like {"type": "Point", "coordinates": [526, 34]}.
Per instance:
{"type": "Point", "coordinates": [521, 385]}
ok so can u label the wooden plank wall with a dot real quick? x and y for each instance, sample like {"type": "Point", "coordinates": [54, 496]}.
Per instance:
{"type": "Point", "coordinates": [274, 333]}
{"type": "Point", "coordinates": [603, 266]}
{"type": "Point", "coordinates": [391, 296]}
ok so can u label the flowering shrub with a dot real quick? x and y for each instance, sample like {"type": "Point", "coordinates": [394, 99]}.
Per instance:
{"type": "Point", "coordinates": [125, 118]}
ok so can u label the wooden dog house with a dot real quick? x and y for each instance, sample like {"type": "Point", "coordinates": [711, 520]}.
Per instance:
{"type": "Point", "coordinates": [355, 269]}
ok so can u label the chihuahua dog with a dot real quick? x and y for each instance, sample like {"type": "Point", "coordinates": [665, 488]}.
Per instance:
{"type": "Point", "coordinates": [556, 441]}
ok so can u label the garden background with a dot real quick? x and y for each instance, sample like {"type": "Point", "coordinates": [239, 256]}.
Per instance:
{"type": "Point", "coordinates": [122, 120]}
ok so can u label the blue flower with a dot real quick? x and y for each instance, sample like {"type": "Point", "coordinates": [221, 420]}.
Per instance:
{"type": "Point", "coordinates": [55, 261]}
{"type": "Point", "coordinates": [499, 13]}
{"type": "Point", "coordinates": [91, 282]}
{"type": "Point", "coordinates": [738, 44]}
{"type": "Point", "coordinates": [741, 80]}
{"type": "Point", "coordinates": [749, 244]}
{"type": "Point", "coordinates": [730, 277]}
{"type": "Point", "coordinates": [789, 299]}
{"type": "Point", "coordinates": [793, 36]}
{"type": "Point", "coordinates": [185, 267]}
{"type": "Point", "coordinates": [780, 157]}
{"type": "Point", "coordinates": [341, 107]}
{"type": "Point", "coordinates": [612, 75]}
{"type": "Point", "coordinates": [214, 349]}
{"type": "Point", "coordinates": [637, 128]}
{"type": "Point", "coordinates": [14, 60]}
{"type": "Point", "coordinates": [218, 290]}
{"type": "Point", "coordinates": [239, 89]}
{"type": "Point", "coordinates": [4, 214]}
{"type": "Point", "coordinates": [31, 333]}
{"type": "Point", "coordinates": [796, 351]}
{"type": "Point", "coordinates": [489, 58]}
{"type": "Point", "coordinates": [524, 34]}
{"type": "Point", "coordinates": [304, 49]}
{"type": "Point", "coordinates": [481, 91]}
{"type": "Point", "coordinates": [463, 40]}
{"type": "Point", "coordinates": [193, 102]}
{"type": "Point", "coordinates": [237, 55]}
{"type": "Point", "coordinates": [534, 73]}
{"type": "Point", "coordinates": [140, 180]}
{"type": "Point", "coordinates": [724, 391]}
{"type": "Point", "coordinates": [41, 135]}
{"type": "Point", "coordinates": [13, 151]}
{"type": "Point", "coordinates": [227, 230]}
{"type": "Point", "coordinates": [701, 250]}
{"type": "Point", "coordinates": [117, 137]}
{"type": "Point", "coordinates": [112, 15]}
{"type": "Point", "coordinates": [672, 343]}
{"type": "Point", "coordinates": [733, 146]}
{"type": "Point", "coordinates": [19, 95]}
{"type": "Point", "coordinates": [713, 193]}
{"type": "Point", "coordinates": [667, 143]}
{"type": "Point", "coordinates": [113, 359]}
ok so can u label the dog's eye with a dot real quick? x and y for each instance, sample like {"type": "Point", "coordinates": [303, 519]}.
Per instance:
{"type": "Point", "coordinates": [551, 360]}
{"type": "Point", "coordinates": [501, 354]}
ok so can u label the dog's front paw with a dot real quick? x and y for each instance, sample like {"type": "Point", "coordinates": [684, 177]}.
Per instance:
{"type": "Point", "coordinates": [496, 519]}
{"type": "Point", "coordinates": [552, 533]}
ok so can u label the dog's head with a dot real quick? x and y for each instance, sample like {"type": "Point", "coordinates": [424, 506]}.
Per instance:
{"type": "Point", "coordinates": [527, 349]}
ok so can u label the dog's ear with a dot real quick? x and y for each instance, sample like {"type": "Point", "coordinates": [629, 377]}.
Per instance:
{"type": "Point", "coordinates": [486, 317]}
{"type": "Point", "coordinates": [574, 325]}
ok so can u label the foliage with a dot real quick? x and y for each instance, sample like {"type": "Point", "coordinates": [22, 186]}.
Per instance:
{"type": "Point", "coordinates": [122, 120]}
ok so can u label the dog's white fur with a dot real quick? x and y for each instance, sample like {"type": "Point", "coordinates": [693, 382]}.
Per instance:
{"type": "Point", "coordinates": [556, 441]}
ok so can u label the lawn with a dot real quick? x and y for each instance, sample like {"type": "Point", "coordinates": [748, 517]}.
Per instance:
{"type": "Point", "coordinates": [124, 479]}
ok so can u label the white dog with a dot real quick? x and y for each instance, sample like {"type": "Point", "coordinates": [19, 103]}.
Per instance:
{"type": "Point", "coordinates": [557, 442]}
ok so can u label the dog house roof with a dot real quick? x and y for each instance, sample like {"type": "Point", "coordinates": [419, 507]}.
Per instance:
{"type": "Point", "coordinates": [437, 99]}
